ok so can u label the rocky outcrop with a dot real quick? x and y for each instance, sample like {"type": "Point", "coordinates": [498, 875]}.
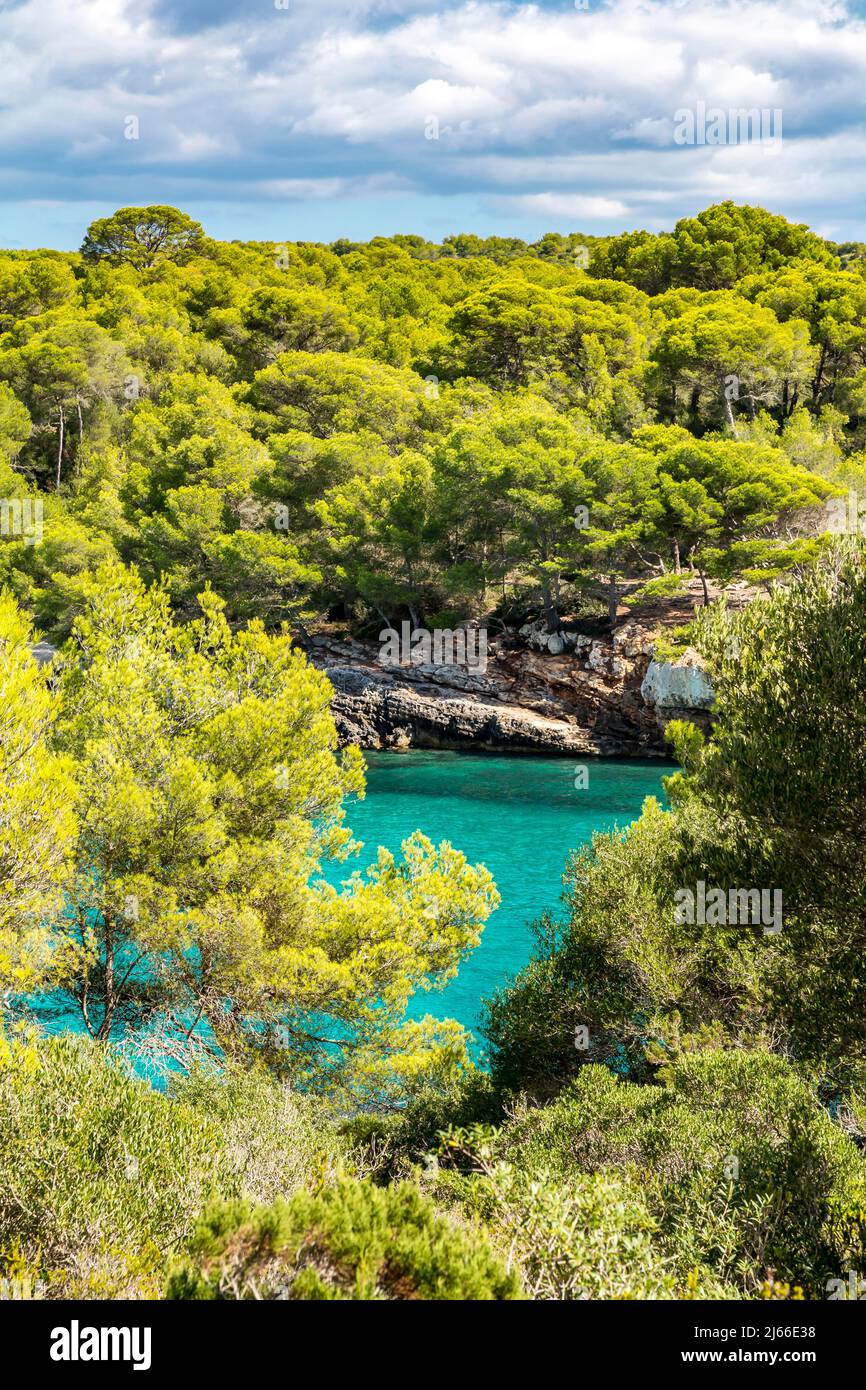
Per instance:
{"type": "Point", "coordinates": [568, 693]}
{"type": "Point", "coordinates": [579, 693]}
{"type": "Point", "coordinates": [677, 687]}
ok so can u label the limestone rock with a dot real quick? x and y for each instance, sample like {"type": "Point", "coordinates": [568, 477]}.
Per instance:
{"type": "Point", "coordinates": [530, 699]}
{"type": "Point", "coordinates": [678, 685]}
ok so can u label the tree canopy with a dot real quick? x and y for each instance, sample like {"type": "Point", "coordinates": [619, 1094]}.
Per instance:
{"type": "Point", "coordinates": [142, 237]}
{"type": "Point", "coordinates": [248, 416]}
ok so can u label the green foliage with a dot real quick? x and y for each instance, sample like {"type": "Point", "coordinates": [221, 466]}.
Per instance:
{"type": "Point", "coordinates": [210, 796]}
{"type": "Point", "coordinates": [34, 284]}
{"type": "Point", "coordinates": [37, 822]}
{"type": "Point", "coordinates": [776, 796]}
{"type": "Point", "coordinates": [741, 1169]}
{"type": "Point", "coordinates": [508, 488]}
{"type": "Point", "coordinates": [292, 424]}
{"type": "Point", "coordinates": [507, 332]}
{"type": "Point", "coordinates": [280, 320]}
{"type": "Point", "coordinates": [591, 1236]}
{"type": "Point", "coordinates": [726, 351]}
{"type": "Point", "coordinates": [68, 373]}
{"type": "Point", "coordinates": [589, 1239]}
{"type": "Point", "coordinates": [101, 1177]}
{"type": "Point", "coordinates": [714, 250]}
{"type": "Point", "coordinates": [15, 422]}
{"type": "Point", "coordinates": [351, 1241]}
{"type": "Point", "coordinates": [327, 393]}
{"type": "Point", "coordinates": [671, 645]}
{"type": "Point", "coordinates": [142, 237]}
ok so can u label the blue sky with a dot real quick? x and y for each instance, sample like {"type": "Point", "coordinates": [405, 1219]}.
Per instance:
{"type": "Point", "coordinates": [309, 119]}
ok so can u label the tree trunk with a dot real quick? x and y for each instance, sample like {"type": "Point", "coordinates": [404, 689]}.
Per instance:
{"type": "Point", "coordinates": [729, 415]}
{"type": "Point", "coordinates": [104, 1033]}
{"type": "Point", "coordinates": [818, 382]}
{"type": "Point", "coordinates": [678, 566]}
{"type": "Point", "coordinates": [384, 616]}
{"type": "Point", "coordinates": [551, 616]}
{"type": "Point", "coordinates": [612, 600]}
{"type": "Point", "coordinates": [704, 587]}
{"type": "Point", "coordinates": [60, 447]}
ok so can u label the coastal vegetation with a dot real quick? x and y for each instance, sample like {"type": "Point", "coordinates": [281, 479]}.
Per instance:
{"type": "Point", "coordinates": [210, 450]}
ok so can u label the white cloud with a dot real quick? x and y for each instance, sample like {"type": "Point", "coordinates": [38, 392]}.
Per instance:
{"type": "Point", "coordinates": [554, 112]}
{"type": "Point", "coordinates": [572, 205]}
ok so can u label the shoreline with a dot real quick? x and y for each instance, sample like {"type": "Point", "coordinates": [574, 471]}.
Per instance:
{"type": "Point", "coordinates": [601, 696]}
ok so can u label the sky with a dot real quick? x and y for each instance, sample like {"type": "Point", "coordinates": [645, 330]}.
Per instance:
{"type": "Point", "coordinates": [318, 119]}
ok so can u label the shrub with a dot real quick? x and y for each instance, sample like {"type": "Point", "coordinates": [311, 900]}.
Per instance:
{"type": "Point", "coordinates": [101, 1177]}
{"type": "Point", "coordinates": [741, 1167]}
{"type": "Point", "coordinates": [352, 1241]}
{"type": "Point", "coordinates": [271, 1138]}
{"type": "Point", "coordinates": [589, 1238]}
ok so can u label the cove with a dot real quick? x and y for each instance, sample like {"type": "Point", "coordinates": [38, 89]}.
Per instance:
{"type": "Point", "coordinates": [521, 816]}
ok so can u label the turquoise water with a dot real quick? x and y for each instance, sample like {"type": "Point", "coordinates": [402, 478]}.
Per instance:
{"type": "Point", "coordinates": [519, 816]}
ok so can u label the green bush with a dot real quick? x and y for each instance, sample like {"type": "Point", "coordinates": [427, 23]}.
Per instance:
{"type": "Point", "coordinates": [591, 1237]}
{"type": "Point", "coordinates": [102, 1177]}
{"type": "Point", "coordinates": [99, 1174]}
{"type": "Point", "coordinates": [352, 1241]}
{"type": "Point", "coordinates": [272, 1140]}
{"type": "Point", "coordinates": [740, 1166]}
{"type": "Point", "coordinates": [391, 1145]}
{"type": "Point", "coordinates": [612, 964]}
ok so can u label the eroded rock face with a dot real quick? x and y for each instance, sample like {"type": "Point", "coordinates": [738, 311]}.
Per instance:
{"type": "Point", "coordinates": [585, 697]}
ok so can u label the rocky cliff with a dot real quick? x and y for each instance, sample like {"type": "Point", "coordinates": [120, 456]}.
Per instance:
{"type": "Point", "coordinates": [574, 693]}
